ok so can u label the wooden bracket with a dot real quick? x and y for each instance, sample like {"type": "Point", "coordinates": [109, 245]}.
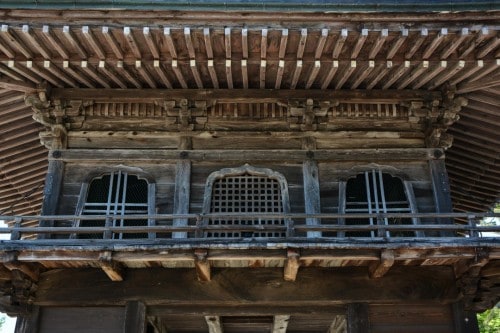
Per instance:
{"type": "Point", "coordinates": [30, 270]}
{"type": "Point", "coordinates": [280, 323]}
{"type": "Point", "coordinates": [379, 269]}
{"type": "Point", "coordinates": [114, 270]}
{"type": "Point", "coordinates": [292, 265]}
{"type": "Point", "coordinates": [202, 265]}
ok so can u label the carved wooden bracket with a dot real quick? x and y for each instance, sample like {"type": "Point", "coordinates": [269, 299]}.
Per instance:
{"type": "Point", "coordinates": [308, 113]}
{"type": "Point", "coordinates": [186, 113]}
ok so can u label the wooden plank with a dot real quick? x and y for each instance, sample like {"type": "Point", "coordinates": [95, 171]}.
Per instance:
{"type": "Point", "coordinates": [280, 323]}
{"type": "Point", "coordinates": [311, 194]}
{"type": "Point", "coordinates": [292, 265]}
{"type": "Point", "coordinates": [379, 269]}
{"type": "Point", "coordinates": [79, 319]}
{"type": "Point", "coordinates": [135, 317]}
{"type": "Point", "coordinates": [244, 96]}
{"type": "Point", "coordinates": [182, 194]}
{"type": "Point", "coordinates": [214, 324]}
{"type": "Point", "coordinates": [357, 318]}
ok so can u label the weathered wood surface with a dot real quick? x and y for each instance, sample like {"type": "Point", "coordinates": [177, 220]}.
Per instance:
{"type": "Point", "coordinates": [246, 287]}
{"type": "Point", "coordinates": [135, 317]}
{"type": "Point", "coordinates": [383, 154]}
{"type": "Point", "coordinates": [357, 318]}
{"type": "Point", "coordinates": [247, 95]}
{"type": "Point", "coordinates": [81, 319]}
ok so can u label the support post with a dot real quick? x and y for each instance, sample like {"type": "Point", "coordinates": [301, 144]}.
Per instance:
{"type": "Point", "coordinates": [311, 194]}
{"type": "Point", "coordinates": [28, 323]}
{"type": "Point", "coordinates": [135, 317]}
{"type": "Point", "coordinates": [441, 190]}
{"type": "Point", "coordinates": [52, 191]}
{"type": "Point", "coordinates": [465, 321]}
{"type": "Point", "coordinates": [357, 318]}
{"type": "Point", "coordinates": [182, 189]}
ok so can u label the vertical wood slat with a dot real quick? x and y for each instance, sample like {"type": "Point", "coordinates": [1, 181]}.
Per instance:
{"type": "Point", "coordinates": [135, 317]}
{"type": "Point", "coordinates": [311, 194]}
{"type": "Point", "coordinates": [464, 321]}
{"type": "Point", "coordinates": [357, 318]}
{"type": "Point", "coordinates": [181, 195]}
{"type": "Point", "coordinates": [28, 323]}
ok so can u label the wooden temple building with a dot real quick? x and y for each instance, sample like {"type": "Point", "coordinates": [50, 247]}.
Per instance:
{"type": "Point", "coordinates": [249, 166]}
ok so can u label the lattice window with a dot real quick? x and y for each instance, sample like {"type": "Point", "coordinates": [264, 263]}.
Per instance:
{"type": "Point", "coordinates": [377, 192]}
{"type": "Point", "coordinates": [247, 190]}
{"type": "Point", "coordinates": [116, 193]}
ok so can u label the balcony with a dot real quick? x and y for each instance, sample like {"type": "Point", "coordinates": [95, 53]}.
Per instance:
{"type": "Point", "coordinates": [323, 240]}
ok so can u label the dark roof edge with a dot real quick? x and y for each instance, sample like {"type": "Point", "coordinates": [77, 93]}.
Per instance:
{"type": "Point", "coordinates": [272, 5]}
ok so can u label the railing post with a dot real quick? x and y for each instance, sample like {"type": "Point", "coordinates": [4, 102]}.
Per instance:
{"type": "Point", "coordinates": [108, 223]}
{"type": "Point", "coordinates": [15, 234]}
{"type": "Point", "coordinates": [473, 226]}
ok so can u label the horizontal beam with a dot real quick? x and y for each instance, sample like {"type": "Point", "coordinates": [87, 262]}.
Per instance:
{"type": "Point", "coordinates": [243, 95]}
{"type": "Point", "coordinates": [232, 287]}
{"type": "Point", "coordinates": [387, 154]}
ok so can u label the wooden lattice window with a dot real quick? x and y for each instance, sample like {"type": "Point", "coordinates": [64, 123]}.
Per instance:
{"type": "Point", "coordinates": [377, 192]}
{"type": "Point", "coordinates": [245, 191]}
{"type": "Point", "coordinates": [116, 193]}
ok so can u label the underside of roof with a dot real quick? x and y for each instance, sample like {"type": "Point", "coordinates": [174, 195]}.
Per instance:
{"type": "Point", "coordinates": [272, 50]}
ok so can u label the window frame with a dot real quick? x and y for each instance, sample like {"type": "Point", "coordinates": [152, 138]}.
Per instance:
{"type": "Point", "coordinates": [252, 171]}
{"type": "Point", "coordinates": [151, 198]}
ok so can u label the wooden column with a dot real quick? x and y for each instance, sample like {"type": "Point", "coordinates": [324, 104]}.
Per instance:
{"type": "Point", "coordinates": [465, 321]}
{"type": "Point", "coordinates": [182, 189]}
{"type": "Point", "coordinates": [28, 323]}
{"type": "Point", "coordinates": [441, 190]}
{"type": "Point", "coordinates": [52, 192]}
{"type": "Point", "coordinates": [357, 318]}
{"type": "Point", "coordinates": [135, 317]}
{"type": "Point", "coordinates": [310, 174]}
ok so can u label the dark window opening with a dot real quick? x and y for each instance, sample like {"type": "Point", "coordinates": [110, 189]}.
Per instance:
{"type": "Point", "coordinates": [377, 192]}
{"type": "Point", "coordinates": [116, 194]}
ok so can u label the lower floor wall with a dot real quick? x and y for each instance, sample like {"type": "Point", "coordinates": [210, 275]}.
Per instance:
{"type": "Point", "coordinates": [409, 299]}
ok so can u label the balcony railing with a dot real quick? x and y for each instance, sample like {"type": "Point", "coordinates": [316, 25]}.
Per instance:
{"type": "Point", "coordinates": [295, 228]}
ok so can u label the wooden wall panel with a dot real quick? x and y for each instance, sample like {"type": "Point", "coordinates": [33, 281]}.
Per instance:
{"type": "Point", "coordinates": [82, 320]}
{"type": "Point", "coordinates": [411, 318]}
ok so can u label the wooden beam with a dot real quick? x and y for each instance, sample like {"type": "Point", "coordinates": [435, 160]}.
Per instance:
{"type": "Point", "coordinates": [170, 43]}
{"type": "Point", "coordinates": [109, 73]}
{"type": "Point", "coordinates": [131, 42]}
{"type": "Point", "coordinates": [330, 75]}
{"type": "Point", "coordinates": [292, 265]}
{"type": "Point", "coordinates": [359, 44]}
{"type": "Point", "coordinates": [90, 72]}
{"type": "Point", "coordinates": [296, 74]}
{"type": "Point", "coordinates": [124, 72]}
{"type": "Point", "coordinates": [153, 48]}
{"type": "Point", "coordinates": [440, 36]}
{"type": "Point", "coordinates": [244, 96]}
{"type": "Point", "coordinates": [384, 33]}
{"type": "Point", "coordinates": [202, 265]}
{"type": "Point", "coordinates": [25, 87]}
{"type": "Point", "coordinates": [34, 41]}
{"type": "Point", "coordinates": [70, 37]}
{"type": "Point", "coordinates": [243, 286]}
{"type": "Point", "coordinates": [302, 44]}
{"type": "Point", "coordinates": [338, 325]}
{"type": "Point", "coordinates": [397, 74]}
{"type": "Point", "coordinates": [382, 154]}
{"type": "Point", "coordinates": [424, 32]}
{"type": "Point", "coordinates": [280, 323]}
{"type": "Point", "coordinates": [112, 43]}
{"type": "Point", "coordinates": [398, 42]}
{"type": "Point", "coordinates": [181, 194]}
{"type": "Point", "coordinates": [214, 324]}
{"type": "Point", "coordinates": [379, 269]}
{"type": "Point", "coordinates": [12, 40]}
{"type": "Point", "coordinates": [227, 42]}
{"type": "Point", "coordinates": [321, 44]}
{"type": "Point", "coordinates": [89, 37]}
{"type": "Point", "coordinates": [455, 43]}
{"type": "Point", "coordinates": [135, 317]}
{"type": "Point", "coordinates": [364, 74]}
{"type": "Point", "coordinates": [337, 49]}
{"type": "Point", "coordinates": [114, 270]}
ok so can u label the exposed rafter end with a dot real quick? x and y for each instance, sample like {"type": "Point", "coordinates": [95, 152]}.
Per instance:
{"type": "Point", "coordinates": [280, 323]}
{"type": "Point", "coordinates": [292, 265]}
{"type": "Point", "coordinates": [202, 265]}
{"type": "Point", "coordinates": [114, 270]}
{"type": "Point", "coordinates": [379, 269]}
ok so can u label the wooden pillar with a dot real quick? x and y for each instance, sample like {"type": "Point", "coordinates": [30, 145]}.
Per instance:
{"type": "Point", "coordinates": [28, 323]}
{"type": "Point", "coordinates": [441, 191]}
{"type": "Point", "coordinates": [52, 191]}
{"type": "Point", "coordinates": [135, 317]}
{"type": "Point", "coordinates": [310, 174]}
{"type": "Point", "coordinates": [182, 189]}
{"type": "Point", "coordinates": [357, 318]}
{"type": "Point", "coordinates": [465, 321]}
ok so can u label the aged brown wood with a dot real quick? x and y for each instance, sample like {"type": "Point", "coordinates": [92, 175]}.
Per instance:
{"type": "Point", "coordinates": [379, 269]}
{"type": "Point", "coordinates": [182, 194]}
{"type": "Point", "coordinates": [441, 188]}
{"type": "Point", "coordinates": [357, 318]}
{"type": "Point", "coordinates": [214, 324]}
{"type": "Point", "coordinates": [52, 192]}
{"type": "Point", "coordinates": [292, 265]}
{"type": "Point", "coordinates": [259, 286]}
{"type": "Point", "coordinates": [311, 193]}
{"type": "Point", "coordinates": [135, 317]}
